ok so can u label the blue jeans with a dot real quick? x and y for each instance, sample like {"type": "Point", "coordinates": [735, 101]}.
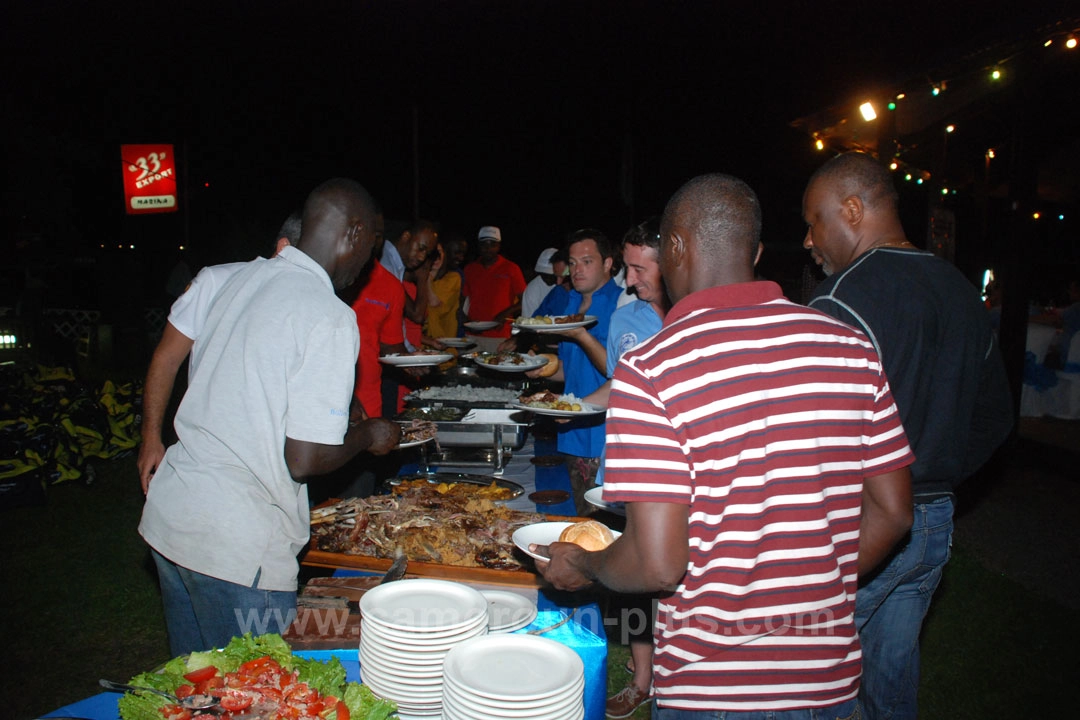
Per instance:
{"type": "Point", "coordinates": [848, 710]}
{"type": "Point", "coordinates": [202, 612]}
{"type": "Point", "coordinates": [889, 612]}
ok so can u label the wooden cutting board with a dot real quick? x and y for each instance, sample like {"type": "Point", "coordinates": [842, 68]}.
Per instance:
{"type": "Point", "coordinates": [526, 577]}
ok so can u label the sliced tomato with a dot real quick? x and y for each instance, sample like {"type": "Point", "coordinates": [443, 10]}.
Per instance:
{"type": "Point", "coordinates": [211, 683]}
{"type": "Point", "coordinates": [197, 676]}
{"type": "Point", "coordinates": [258, 665]}
{"type": "Point", "coordinates": [235, 701]}
{"type": "Point", "coordinates": [175, 712]}
{"type": "Point", "coordinates": [270, 694]}
{"type": "Point", "coordinates": [300, 693]}
{"type": "Point", "coordinates": [184, 691]}
{"type": "Point", "coordinates": [341, 710]}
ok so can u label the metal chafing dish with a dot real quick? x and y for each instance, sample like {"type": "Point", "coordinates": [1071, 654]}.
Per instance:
{"type": "Point", "coordinates": [492, 434]}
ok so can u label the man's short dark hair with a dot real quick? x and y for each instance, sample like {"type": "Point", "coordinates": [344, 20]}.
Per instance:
{"type": "Point", "coordinates": [291, 227]}
{"type": "Point", "coordinates": [722, 211]}
{"type": "Point", "coordinates": [860, 174]}
{"type": "Point", "coordinates": [602, 242]}
{"type": "Point", "coordinates": [644, 234]}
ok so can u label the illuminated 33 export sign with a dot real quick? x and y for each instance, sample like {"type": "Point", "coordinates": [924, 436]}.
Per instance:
{"type": "Point", "coordinates": [149, 178]}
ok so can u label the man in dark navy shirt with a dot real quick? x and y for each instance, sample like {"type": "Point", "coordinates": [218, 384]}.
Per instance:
{"type": "Point", "coordinates": [945, 370]}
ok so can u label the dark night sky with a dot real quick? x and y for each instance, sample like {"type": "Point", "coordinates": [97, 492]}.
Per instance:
{"type": "Point", "coordinates": [523, 108]}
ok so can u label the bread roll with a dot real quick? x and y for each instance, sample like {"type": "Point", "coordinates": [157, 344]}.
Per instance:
{"type": "Point", "coordinates": [590, 535]}
{"type": "Point", "coordinates": [552, 366]}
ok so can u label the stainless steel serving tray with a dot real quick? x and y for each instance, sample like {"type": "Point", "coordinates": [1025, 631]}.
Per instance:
{"type": "Point", "coordinates": [452, 477]}
{"type": "Point", "coordinates": [481, 426]}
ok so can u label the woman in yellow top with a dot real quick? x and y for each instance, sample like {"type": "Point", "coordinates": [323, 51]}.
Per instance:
{"type": "Point", "coordinates": [445, 297]}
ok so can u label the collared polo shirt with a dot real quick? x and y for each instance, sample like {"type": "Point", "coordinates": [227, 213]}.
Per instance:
{"type": "Point", "coordinates": [763, 417]}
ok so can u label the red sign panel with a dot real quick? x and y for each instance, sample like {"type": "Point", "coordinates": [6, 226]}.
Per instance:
{"type": "Point", "coordinates": [149, 178]}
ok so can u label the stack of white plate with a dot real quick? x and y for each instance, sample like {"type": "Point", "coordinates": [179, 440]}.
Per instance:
{"type": "Point", "coordinates": [503, 677]}
{"type": "Point", "coordinates": [407, 629]}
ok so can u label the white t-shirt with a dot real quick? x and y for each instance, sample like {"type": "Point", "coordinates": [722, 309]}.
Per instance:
{"type": "Point", "coordinates": [625, 298]}
{"type": "Point", "coordinates": [276, 358]}
{"type": "Point", "coordinates": [188, 313]}
{"type": "Point", "coordinates": [534, 294]}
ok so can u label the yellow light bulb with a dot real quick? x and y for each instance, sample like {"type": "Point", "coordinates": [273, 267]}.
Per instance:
{"type": "Point", "coordinates": [893, 166]}
{"type": "Point", "coordinates": [1070, 43]}
{"type": "Point", "coordinates": [819, 144]}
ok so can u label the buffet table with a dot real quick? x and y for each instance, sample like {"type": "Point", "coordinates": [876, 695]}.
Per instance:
{"type": "Point", "coordinates": [353, 575]}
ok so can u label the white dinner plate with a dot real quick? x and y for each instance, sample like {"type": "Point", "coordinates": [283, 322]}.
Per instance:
{"type": "Point", "coordinates": [421, 642]}
{"type": "Point", "coordinates": [586, 410]}
{"type": "Point", "coordinates": [403, 654]}
{"type": "Point", "coordinates": [528, 362]}
{"type": "Point", "coordinates": [371, 659]}
{"type": "Point", "coordinates": [543, 533]}
{"type": "Point", "coordinates": [423, 605]}
{"type": "Point", "coordinates": [556, 327]}
{"type": "Point", "coordinates": [508, 611]}
{"type": "Point", "coordinates": [413, 443]}
{"type": "Point", "coordinates": [456, 342]}
{"type": "Point", "coordinates": [512, 668]}
{"type": "Point", "coordinates": [473, 708]}
{"type": "Point", "coordinates": [423, 360]}
{"type": "Point", "coordinates": [595, 496]}
{"type": "Point", "coordinates": [468, 708]}
{"type": "Point", "coordinates": [482, 325]}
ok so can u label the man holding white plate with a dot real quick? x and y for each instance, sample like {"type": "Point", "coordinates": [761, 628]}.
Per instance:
{"type": "Point", "coordinates": [763, 466]}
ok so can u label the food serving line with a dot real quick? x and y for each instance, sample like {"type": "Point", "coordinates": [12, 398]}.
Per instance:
{"type": "Point", "coordinates": [500, 450]}
{"type": "Point", "coordinates": [496, 441]}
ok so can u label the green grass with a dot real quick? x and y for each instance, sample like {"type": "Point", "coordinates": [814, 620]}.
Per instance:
{"type": "Point", "coordinates": [80, 602]}
{"type": "Point", "coordinates": [79, 597]}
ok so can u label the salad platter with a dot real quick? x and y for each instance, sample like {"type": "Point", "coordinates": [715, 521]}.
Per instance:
{"type": "Point", "coordinates": [255, 676]}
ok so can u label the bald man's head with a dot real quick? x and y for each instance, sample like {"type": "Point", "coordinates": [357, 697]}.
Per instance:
{"type": "Point", "coordinates": [338, 230]}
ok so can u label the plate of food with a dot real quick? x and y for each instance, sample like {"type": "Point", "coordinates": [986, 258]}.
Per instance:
{"type": "Point", "coordinates": [416, 432]}
{"type": "Point", "coordinates": [482, 325]}
{"type": "Point", "coordinates": [417, 359]}
{"type": "Point", "coordinates": [277, 676]}
{"type": "Point", "coordinates": [553, 323]}
{"type": "Point", "coordinates": [456, 342]}
{"type": "Point", "coordinates": [548, 403]}
{"type": "Point", "coordinates": [589, 534]}
{"type": "Point", "coordinates": [595, 497]}
{"type": "Point", "coordinates": [509, 361]}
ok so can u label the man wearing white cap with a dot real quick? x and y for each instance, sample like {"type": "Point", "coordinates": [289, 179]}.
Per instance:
{"type": "Point", "coordinates": [493, 284]}
{"type": "Point", "coordinates": [541, 285]}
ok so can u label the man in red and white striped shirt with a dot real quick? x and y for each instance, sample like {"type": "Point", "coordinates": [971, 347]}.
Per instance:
{"type": "Point", "coordinates": [763, 465]}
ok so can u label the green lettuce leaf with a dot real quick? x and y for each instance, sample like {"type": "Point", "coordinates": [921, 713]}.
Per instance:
{"type": "Point", "coordinates": [363, 705]}
{"type": "Point", "coordinates": [326, 677]}
{"type": "Point", "coordinates": [244, 649]}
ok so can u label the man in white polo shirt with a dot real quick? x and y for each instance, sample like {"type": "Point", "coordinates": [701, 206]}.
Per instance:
{"type": "Point", "coordinates": [186, 319]}
{"type": "Point", "coordinates": [266, 408]}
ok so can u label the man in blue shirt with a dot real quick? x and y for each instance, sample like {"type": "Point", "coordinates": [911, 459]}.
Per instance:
{"type": "Point", "coordinates": [631, 325]}
{"type": "Point", "coordinates": [583, 353]}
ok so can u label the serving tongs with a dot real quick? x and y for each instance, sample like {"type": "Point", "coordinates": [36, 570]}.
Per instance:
{"type": "Point", "coordinates": [197, 702]}
{"type": "Point", "coordinates": [397, 568]}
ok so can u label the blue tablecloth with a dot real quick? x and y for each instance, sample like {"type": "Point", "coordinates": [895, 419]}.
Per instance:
{"type": "Point", "coordinates": [584, 634]}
